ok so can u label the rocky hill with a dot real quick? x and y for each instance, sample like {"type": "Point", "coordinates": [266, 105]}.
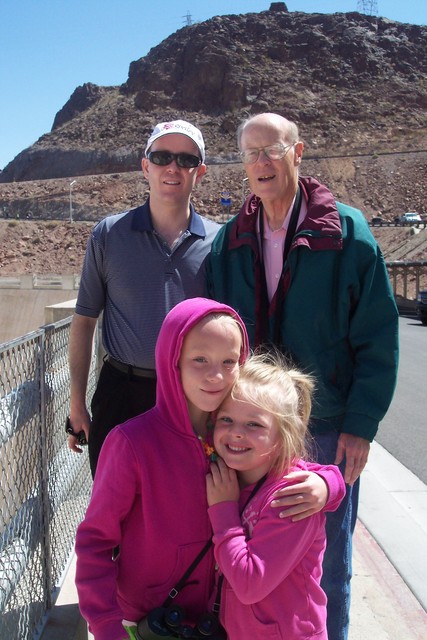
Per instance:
{"type": "Point", "coordinates": [356, 85]}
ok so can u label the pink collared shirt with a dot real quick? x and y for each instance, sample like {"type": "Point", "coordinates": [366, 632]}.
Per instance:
{"type": "Point", "coordinates": [273, 244]}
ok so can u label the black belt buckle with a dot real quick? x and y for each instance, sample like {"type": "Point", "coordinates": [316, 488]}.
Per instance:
{"type": "Point", "coordinates": [81, 436]}
{"type": "Point", "coordinates": [130, 370]}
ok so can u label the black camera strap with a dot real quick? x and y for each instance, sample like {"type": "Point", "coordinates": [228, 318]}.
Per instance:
{"type": "Point", "coordinates": [253, 492]}
{"type": "Point", "coordinates": [217, 603]}
{"type": "Point", "coordinates": [177, 588]}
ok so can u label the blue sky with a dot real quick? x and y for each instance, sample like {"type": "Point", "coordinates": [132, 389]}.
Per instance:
{"type": "Point", "coordinates": [50, 47]}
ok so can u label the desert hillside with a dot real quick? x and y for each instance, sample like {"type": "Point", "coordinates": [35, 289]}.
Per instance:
{"type": "Point", "coordinates": [355, 84]}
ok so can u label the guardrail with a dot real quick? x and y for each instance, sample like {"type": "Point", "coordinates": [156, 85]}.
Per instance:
{"type": "Point", "coordinates": [407, 278]}
{"type": "Point", "coordinates": [37, 281]}
{"type": "Point", "coordinates": [385, 223]}
{"type": "Point", "coordinates": [44, 487]}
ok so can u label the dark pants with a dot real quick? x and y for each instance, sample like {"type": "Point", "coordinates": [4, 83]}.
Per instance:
{"type": "Point", "coordinates": [118, 397]}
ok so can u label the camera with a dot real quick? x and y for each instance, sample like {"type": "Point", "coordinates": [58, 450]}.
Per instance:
{"type": "Point", "coordinates": [168, 623]}
{"type": "Point", "coordinates": [81, 436]}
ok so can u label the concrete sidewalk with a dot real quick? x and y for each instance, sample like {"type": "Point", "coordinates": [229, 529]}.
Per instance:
{"type": "Point", "coordinates": [390, 559]}
{"type": "Point", "coordinates": [389, 597]}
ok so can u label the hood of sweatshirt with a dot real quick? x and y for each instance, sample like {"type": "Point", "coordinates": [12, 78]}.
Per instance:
{"type": "Point", "coordinates": [170, 401]}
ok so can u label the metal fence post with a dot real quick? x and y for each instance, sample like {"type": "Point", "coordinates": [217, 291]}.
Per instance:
{"type": "Point", "coordinates": [44, 475]}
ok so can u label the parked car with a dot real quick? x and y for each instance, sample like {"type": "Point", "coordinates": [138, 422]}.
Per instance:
{"type": "Point", "coordinates": [408, 218]}
{"type": "Point", "coordinates": [422, 306]}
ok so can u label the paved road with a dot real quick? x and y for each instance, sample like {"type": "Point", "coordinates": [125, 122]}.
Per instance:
{"type": "Point", "coordinates": [403, 430]}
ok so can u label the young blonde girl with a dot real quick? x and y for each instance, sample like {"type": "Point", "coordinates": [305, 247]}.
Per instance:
{"type": "Point", "coordinates": [269, 575]}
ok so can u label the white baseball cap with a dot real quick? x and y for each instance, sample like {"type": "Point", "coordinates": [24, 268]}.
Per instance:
{"type": "Point", "coordinates": [178, 126]}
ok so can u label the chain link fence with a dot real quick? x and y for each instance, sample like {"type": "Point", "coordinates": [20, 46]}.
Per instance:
{"type": "Point", "coordinates": [44, 487]}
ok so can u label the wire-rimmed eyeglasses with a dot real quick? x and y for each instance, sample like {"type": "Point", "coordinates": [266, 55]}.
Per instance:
{"type": "Point", "coordinates": [273, 152]}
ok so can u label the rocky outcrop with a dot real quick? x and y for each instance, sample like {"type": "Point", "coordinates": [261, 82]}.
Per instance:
{"type": "Point", "coordinates": [38, 163]}
{"type": "Point", "coordinates": [353, 82]}
{"type": "Point", "coordinates": [82, 98]}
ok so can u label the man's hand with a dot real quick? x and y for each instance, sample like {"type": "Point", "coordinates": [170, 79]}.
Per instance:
{"type": "Point", "coordinates": [306, 496]}
{"type": "Point", "coordinates": [355, 450]}
{"type": "Point", "coordinates": [80, 421]}
{"type": "Point", "coordinates": [221, 483]}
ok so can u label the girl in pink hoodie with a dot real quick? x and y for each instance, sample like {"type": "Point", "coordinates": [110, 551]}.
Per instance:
{"type": "Point", "coordinates": [149, 492]}
{"type": "Point", "coordinates": [269, 581]}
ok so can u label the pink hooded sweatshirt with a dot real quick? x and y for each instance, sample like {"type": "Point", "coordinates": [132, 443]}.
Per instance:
{"type": "Point", "coordinates": [149, 497]}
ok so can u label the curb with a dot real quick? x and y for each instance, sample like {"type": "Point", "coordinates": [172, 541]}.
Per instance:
{"type": "Point", "coordinates": [393, 508]}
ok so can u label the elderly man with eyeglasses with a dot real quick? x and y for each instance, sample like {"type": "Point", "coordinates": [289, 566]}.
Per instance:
{"type": "Point", "coordinates": [307, 277]}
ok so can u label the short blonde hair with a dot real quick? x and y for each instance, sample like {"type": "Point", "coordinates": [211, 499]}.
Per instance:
{"type": "Point", "coordinates": [270, 382]}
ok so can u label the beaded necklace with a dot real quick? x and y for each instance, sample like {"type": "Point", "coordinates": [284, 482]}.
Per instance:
{"type": "Point", "coordinates": [207, 443]}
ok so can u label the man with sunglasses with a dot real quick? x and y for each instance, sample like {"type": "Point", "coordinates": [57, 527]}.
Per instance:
{"type": "Point", "coordinates": [138, 265]}
{"type": "Point", "coordinates": [307, 277]}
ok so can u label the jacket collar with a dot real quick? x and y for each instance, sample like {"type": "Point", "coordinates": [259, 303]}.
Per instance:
{"type": "Point", "coordinates": [320, 229]}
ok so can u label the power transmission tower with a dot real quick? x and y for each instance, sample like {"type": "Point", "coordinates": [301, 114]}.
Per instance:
{"type": "Point", "coordinates": [369, 7]}
{"type": "Point", "coordinates": [188, 19]}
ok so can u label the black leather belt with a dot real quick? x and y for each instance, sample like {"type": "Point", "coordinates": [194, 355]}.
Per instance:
{"type": "Point", "coordinates": [130, 369]}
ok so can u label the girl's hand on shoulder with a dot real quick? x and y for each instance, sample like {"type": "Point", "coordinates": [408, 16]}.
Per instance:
{"type": "Point", "coordinates": [307, 495]}
{"type": "Point", "coordinates": [221, 483]}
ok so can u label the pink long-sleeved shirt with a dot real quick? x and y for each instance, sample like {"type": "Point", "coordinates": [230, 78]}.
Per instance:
{"type": "Point", "coordinates": [272, 568]}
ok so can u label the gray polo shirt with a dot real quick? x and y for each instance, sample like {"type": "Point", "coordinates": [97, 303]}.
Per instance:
{"type": "Point", "coordinates": [135, 278]}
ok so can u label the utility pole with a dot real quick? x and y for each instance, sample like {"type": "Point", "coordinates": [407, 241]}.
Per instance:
{"type": "Point", "coordinates": [188, 19]}
{"type": "Point", "coordinates": [72, 183]}
{"type": "Point", "coordinates": [368, 7]}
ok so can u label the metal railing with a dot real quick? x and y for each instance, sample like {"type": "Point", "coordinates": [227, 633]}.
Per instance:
{"type": "Point", "coordinates": [44, 487]}
{"type": "Point", "coordinates": [407, 278]}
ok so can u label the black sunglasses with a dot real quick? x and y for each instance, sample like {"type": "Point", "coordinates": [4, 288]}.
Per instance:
{"type": "Point", "coordinates": [183, 160]}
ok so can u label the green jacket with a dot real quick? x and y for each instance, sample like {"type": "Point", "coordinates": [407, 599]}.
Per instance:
{"type": "Point", "coordinates": [338, 318]}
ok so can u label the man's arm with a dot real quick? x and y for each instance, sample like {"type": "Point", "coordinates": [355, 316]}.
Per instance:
{"type": "Point", "coordinates": [80, 353]}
